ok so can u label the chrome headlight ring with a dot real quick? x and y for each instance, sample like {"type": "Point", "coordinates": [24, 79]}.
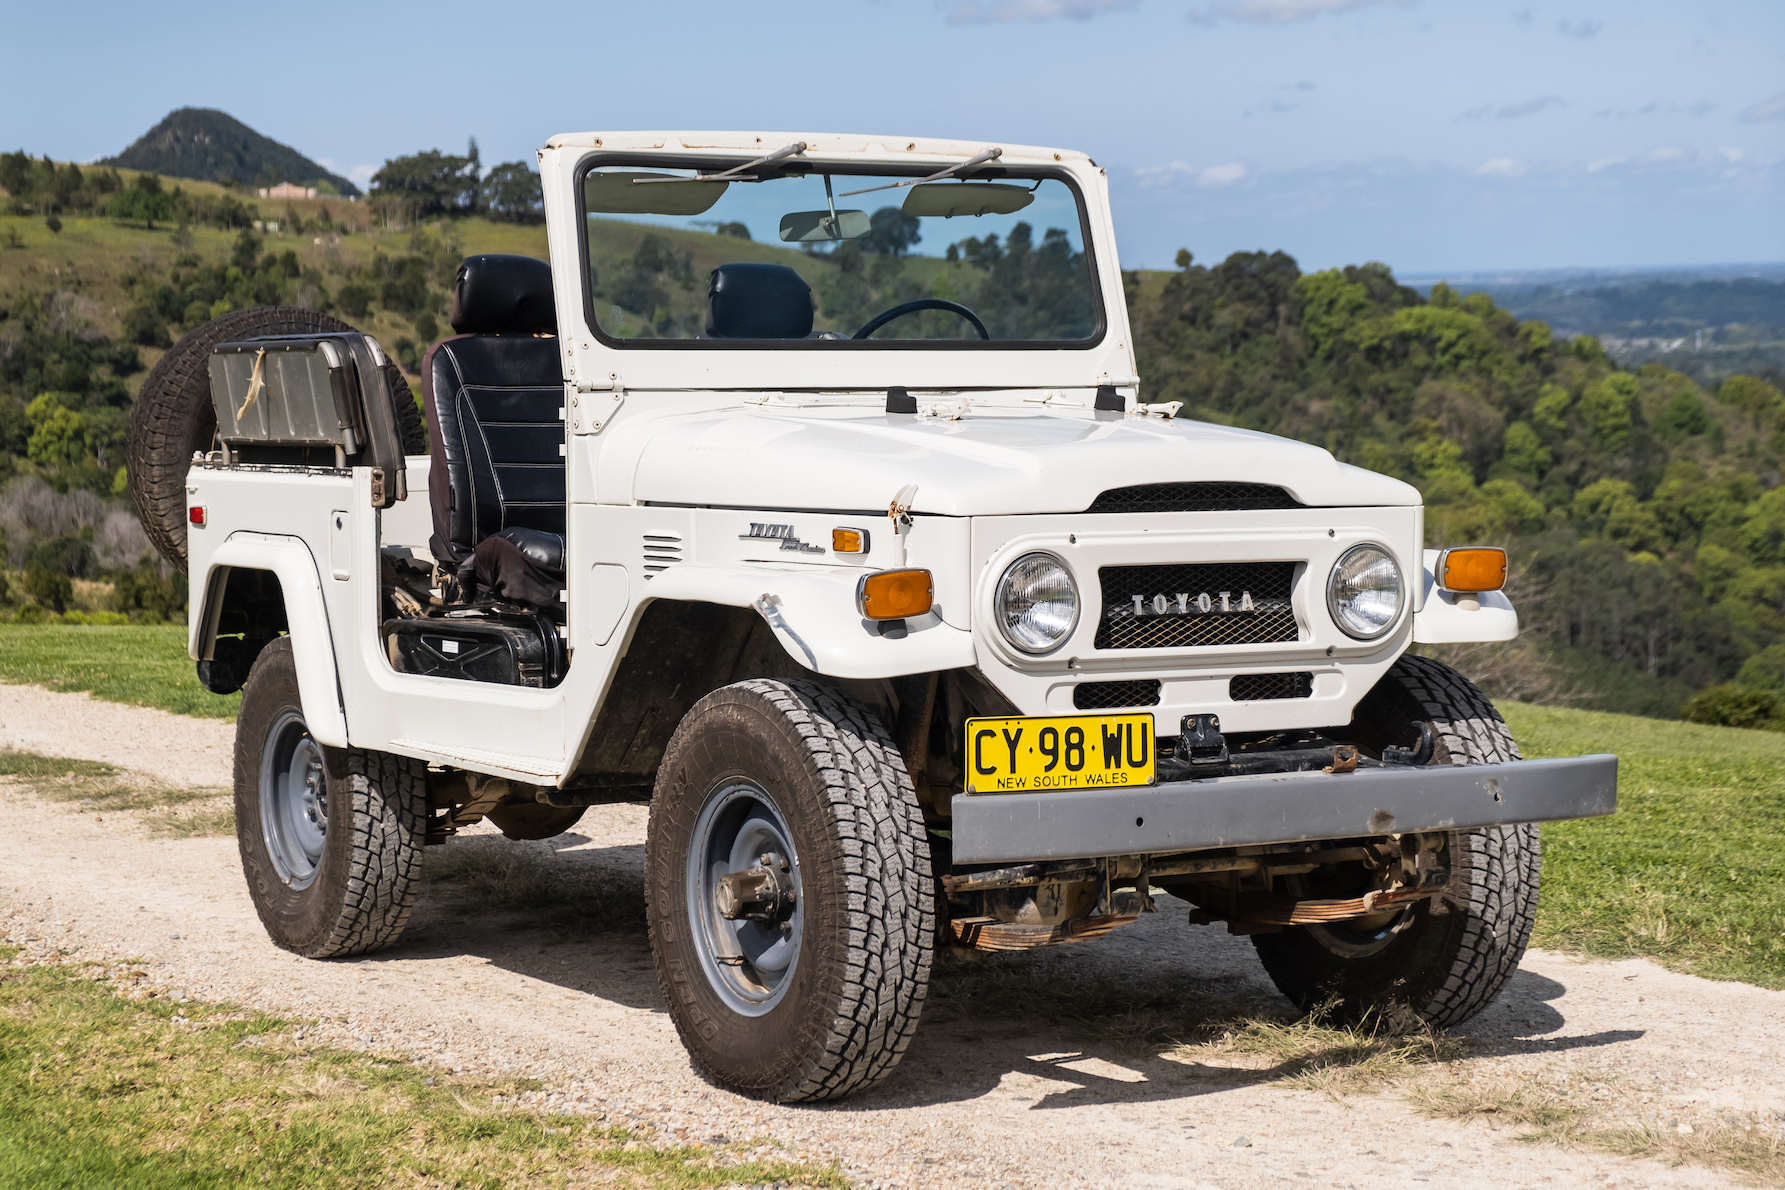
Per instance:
{"type": "Point", "coordinates": [1036, 603]}
{"type": "Point", "coordinates": [1365, 592]}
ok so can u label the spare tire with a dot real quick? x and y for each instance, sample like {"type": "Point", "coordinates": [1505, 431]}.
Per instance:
{"type": "Point", "coordinates": [173, 416]}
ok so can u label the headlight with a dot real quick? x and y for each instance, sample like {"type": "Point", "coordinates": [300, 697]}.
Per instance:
{"type": "Point", "coordinates": [1364, 592]}
{"type": "Point", "coordinates": [1036, 603]}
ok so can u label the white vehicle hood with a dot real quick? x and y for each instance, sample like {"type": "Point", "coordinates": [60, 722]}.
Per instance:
{"type": "Point", "coordinates": [989, 462]}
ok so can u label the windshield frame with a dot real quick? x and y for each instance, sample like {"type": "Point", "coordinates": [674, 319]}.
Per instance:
{"type": "Point", "coordinates": [820, 165]}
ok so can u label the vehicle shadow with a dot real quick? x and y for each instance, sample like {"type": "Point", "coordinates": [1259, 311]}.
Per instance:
{"type": "Point", "coordinates": [1116, 1020]}
{"type": "Point", "coordinates": [568, 911]}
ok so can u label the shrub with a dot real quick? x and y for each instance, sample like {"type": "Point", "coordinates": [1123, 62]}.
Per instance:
{"type": "Point", "coordinates": [354, 299]}
{"type": "Point", "coordinates": [1729, 705]}
{"type": "Point", "coordinates": [51, 588]}
{"type": "Point", "coordinates": [147, 594]}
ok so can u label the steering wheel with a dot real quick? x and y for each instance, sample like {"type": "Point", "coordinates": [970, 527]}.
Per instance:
{"type": "Point", "coordinates": [881, 319]}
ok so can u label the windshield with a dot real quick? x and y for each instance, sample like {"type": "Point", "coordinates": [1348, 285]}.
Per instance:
{"type": "Point", "coordinates": [803, 255]}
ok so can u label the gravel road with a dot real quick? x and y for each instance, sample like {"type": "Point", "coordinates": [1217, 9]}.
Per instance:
{"type": "Point", "coordinates": [983, 1099]}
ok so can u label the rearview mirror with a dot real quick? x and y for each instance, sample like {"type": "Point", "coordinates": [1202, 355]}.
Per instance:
{"type": "Point", "coordinates": [948, 199]}
{"type": "Point", "coordinates": [615, 194]}
{"type": "Point", "coordinates": [805, 227]}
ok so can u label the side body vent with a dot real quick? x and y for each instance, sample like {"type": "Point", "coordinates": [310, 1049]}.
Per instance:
{"type": "Point", "coordinates": [1193, 497]}
{"type": "Point", "coordinates": [1261, 687]}
{"type": "Point", "coordinates": [662, 550]}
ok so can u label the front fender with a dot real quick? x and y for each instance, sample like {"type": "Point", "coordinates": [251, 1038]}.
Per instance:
{"type": "Point", "coordinates": [813, 614]}
{"type": "Point", "coordinates": [312, 643]}
{"type": "Point", "coordinates": [1439, 621]}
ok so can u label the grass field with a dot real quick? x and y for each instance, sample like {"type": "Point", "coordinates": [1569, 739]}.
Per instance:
{"type": "Point", "coordinates": [105, 1089]}
{"type": "Point", "coordinates": [139, 665]}
{"type": "Point", "coordinates": [1688, 872]}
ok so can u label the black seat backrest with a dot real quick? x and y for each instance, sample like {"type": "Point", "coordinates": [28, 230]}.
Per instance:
{"type": "Point", "coordinates": [495, 395]}
{"type": "Point", "coordinates": [758, 301]}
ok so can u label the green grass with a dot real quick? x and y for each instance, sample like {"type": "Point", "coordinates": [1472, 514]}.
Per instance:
{"type": "Point", "coordinates": [103, 1089]}
{"type": "Point", "coordinates": [139, 665]}
{"type": "Point", "coordinates": [1689, 871]}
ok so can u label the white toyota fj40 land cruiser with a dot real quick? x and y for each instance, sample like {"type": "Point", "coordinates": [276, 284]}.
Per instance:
{"type": "Point", "coordinates": [912, 622]}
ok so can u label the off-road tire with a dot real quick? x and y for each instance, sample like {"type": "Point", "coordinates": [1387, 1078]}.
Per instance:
{"type": "Point", "coordinates": [366, 883]}
{"type": "Point", "coordinates": [173, 416]}
{"type": "Point", "coordinates": [857, 987]}
{"type": "Point", "coordinates": [1460, 948]}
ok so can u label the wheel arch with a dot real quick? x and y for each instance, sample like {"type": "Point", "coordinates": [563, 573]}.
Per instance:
{"type": "Point", "coordinates": [263, 586]}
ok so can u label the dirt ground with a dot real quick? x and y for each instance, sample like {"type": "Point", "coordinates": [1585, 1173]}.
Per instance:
{"type": "Point", "coordinates": [985, 1098]}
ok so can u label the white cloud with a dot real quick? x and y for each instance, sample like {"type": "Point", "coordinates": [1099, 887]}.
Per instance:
{"type": "Point", "coordinates": [1209, 177]}
{"type": "Point", "coordinates": [1665, 153]}
{"type": "Point", "coordinates": [1766, 109]}
{"type": "Point", "coordinates": [978, 12]}
{"type": "Point", "coordinates": [1513, 111]}
{"type": "Point", "coordinates": [1276, 107]}
{"type": "Point", "coordinates": [1160, 171]}
{"type": "Point", "coordinates": [1579, 30]}
{"type": "Point", "coordinates": [1281, 12]}
{"type": "Point", "coordinates": [1603, 163]}
{"type": "Point", "coordinates": [1502, 167]}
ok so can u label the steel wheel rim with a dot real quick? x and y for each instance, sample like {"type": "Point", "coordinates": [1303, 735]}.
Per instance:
{"type": "Point", "coordinates": [293, 800]}
{"type": "Point", "coordinates": [749, 964]}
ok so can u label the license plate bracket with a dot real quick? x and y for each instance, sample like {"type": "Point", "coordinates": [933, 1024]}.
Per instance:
{"type": "Point", "coordinates": [1039, 753]}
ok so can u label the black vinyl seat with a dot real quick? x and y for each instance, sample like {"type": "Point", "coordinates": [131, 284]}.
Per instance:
{"type": "Point", "coordinates": [758, 301]}
{"type": "Point", "coordinates": [495, 395]}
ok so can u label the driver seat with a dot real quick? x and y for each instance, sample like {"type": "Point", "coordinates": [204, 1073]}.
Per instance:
{"type": "Point", "coordinates": [758, 301]}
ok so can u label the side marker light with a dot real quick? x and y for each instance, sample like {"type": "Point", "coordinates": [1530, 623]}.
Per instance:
{"type": "Point", "coordinates": [894, 594]}
{"type": "Point", "coordinates": [1472, 569]}
{"type": "Point", "coordinates": [849, 541]}
{"type": "Point", "coordinates": [196, 514]}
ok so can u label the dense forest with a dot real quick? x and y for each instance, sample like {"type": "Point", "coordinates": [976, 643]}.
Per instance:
{"type": "Point", "coordinates": [1643, 508]}
{"type": "Point", "coordinates": [1643, 511]}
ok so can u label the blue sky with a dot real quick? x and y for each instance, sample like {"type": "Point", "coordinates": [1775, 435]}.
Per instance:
{"type": "Point", "coordinates": [1431, 135]}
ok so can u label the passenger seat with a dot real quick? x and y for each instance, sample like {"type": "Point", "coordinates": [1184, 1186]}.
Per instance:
{"type": "Point", "coordinates": [494, 395]}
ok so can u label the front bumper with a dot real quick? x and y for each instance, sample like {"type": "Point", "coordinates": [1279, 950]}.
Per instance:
{"type": "Point", "coordinates": [1279, 808]}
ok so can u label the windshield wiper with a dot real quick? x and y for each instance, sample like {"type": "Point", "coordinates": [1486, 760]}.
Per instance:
{"type": "Point", "coordinates": [977, 159]}
{"type": "Point", "coordinates": [734, 174]}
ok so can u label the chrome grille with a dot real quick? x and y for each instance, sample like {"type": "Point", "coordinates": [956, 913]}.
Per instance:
{"type": "Point", "coordinates": [1100, 696]}
{"type": "Point", "coordinates": [662, 550]}
{"type": "Point", "coordinates": [1193, 497]}
{"type": "Point", "coordinates": [1262, 687]}
{"type": "Point", "coordinates": [1172, 612]}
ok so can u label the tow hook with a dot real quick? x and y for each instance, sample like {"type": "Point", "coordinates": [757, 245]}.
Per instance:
{"type": "Point", "coordinates": [1201, 741]}
{"type": "Point", "coordinates": [764, 893]}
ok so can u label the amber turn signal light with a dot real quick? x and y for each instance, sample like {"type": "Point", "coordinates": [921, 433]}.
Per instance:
{"type": "Point", "coordinates": [894, 594]}
{"type": "Point", "coordinates": [1472, 569]}
{"type": "Point", "coordinates": [849, 541]}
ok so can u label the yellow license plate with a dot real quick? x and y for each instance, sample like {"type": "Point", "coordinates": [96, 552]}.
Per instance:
{"type": "Point", "coordinates": [1034, 754]}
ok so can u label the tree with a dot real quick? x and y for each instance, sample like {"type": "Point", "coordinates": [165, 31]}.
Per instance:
{"type": "Point", "coordinates": [428, 183]}
{"type": "Point", "coordinates": [891, 233]}
{"type": "Point", "coordinates": [512, 193]}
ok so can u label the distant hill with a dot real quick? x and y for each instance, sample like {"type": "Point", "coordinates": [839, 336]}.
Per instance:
{"type": "Point", "coordinates": [211, 146]}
